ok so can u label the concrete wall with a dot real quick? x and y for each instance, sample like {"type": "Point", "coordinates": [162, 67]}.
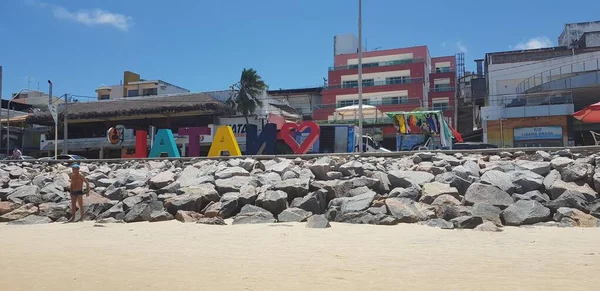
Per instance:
{"type": "Point", "coordinates": [574, 31]}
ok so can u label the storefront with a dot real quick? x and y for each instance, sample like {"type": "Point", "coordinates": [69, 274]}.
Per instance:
{"type": "Point", "coordinates": [539, 136]}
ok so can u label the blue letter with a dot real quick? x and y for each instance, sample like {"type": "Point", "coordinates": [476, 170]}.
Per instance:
{"type": "Point", "coordinates": [164, 142]}
{"type": "Point", "coordinates": [263, 144]}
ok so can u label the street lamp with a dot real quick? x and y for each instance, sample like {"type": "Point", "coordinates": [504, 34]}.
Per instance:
{"type": "Point", "coordinates": [360, 85]}
{"type": "Point", "coordinates": [8, 121]}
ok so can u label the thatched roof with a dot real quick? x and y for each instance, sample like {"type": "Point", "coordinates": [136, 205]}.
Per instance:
{"type": "Point", "coordinates": [165, 104]}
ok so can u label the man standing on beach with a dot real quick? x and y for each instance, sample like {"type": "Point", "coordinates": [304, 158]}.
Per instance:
{"type": "Point", "coordinates": [77, 181]}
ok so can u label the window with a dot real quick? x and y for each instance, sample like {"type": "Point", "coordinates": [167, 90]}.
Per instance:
{"type": "Point", "coordinates": [441, 105]}
{"type": "Point", "coordinates": [443, 70]}
{"type": "Point", "coordinates": [350, 84]}
{"type": "Point", "coordinates": [394, 100]}
{"type": "Point", "coordinates": [442, 88]}
{"type": "Point", "coordinates": [149, 92]}
{"type": "Point", "coordinates": [368, 82]}
{"type": "Point", "coordinates": [396, 80]}
{"type": "Point", "coordinates": [104, 97]}
{"type": "Point", "coordinates": [133, 93]}
{"type": "Point", "coordinates": [344, 103]}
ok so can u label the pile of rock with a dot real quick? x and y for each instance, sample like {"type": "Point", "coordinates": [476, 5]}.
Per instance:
{"type": "Point", "coordinates": [435, 189]}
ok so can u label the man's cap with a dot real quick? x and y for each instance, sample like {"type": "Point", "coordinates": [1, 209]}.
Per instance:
{"type": "Point", "coordinates": [75, 166]}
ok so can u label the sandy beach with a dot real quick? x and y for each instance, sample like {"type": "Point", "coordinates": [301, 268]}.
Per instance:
{"type": "Point", "coordinates": [177, 256]}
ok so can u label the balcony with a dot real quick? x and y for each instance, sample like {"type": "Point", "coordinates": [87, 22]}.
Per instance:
{"type": "Point", "coordinates": [565, 77]}
{"type": "Point", "coordinates": [442, 70]}
{"type": "Point", "coordinates": [533, 106]}
{"type": "Point", "coordinates": [367, 84]}
{"type": "Point", "coordinates": [379, 64]}
{"type": "Point", "coordinates": [442, 89]}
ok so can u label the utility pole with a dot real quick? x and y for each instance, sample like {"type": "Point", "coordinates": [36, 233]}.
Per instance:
{"type": "Point", "coordinates": [55, 119]}
{"type": "Point", "coordinates": [65, 130]}
{"type": "Point", "coordinates": [360, 85]}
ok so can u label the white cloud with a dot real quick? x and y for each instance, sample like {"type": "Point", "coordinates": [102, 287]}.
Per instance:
{"type": "Point", "coordinates": [87, 17]}
{"type": "Point", "coordinates": [534, 43]}
{"type": "Point", "coordinates": [461, 47]}
{"type": "Point", "coordinates": [95, 17]}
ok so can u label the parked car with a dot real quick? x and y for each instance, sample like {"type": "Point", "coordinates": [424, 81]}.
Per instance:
{"type": "Point", "coordinates": [473, 146]}
{"type": "Point", "coordinates": [64, 157]}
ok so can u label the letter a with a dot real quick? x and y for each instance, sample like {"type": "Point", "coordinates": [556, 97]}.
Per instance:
{"type": "Point", "coordinates": [164, 142]}
{"type": "Point", "coordinates": [224, 140]}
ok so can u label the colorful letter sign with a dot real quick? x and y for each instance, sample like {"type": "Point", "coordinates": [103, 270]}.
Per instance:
{"type": "Point", "coordinates": [141, 146]}
{"type": "Point", "coordinates": [288, 135]}
{"type": "Point", "coordinates": [263, 143]}
{"type": "Point", "coordinates": [194, 134]}
{"type": "Point", "coordinates": [224, 140]}
{"type": "Point", "coordinates": [164, 142]}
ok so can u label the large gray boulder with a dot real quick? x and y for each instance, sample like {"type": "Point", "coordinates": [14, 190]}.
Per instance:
{"type": "Point", "coordinates": [487, 212]}
{"type": "Point", "coordinates": [467, 222]}
{"type": "Point", "coordinates": [526, 181]}
{"type": "Point", "coordinates": [317, 221]}
{"type": "Point", "coordinates": [21, 212]}
{"type": "Point", "coordinates": [321, 167]}
{"type": "Point", "coordinates": [297, 187]}
{"type": "Point", "coordinates": [117, 212]}
{"type": "Point", "coordinates": [162, 179]}
{"type": "Point", "coordinates": [26, 194]}
{"type": "Point", "coordinates": [577, 172]}
{"type": "Point", "coordinates": [559, 187]}
{"type": "Point", "coordinates": [452, 179]}
{"type": "Point", "coordinates": [31, 219]}
{"type": "Point", "coordinates": [409, 211]}
{"type": "Point", "coordinates": [152, 211]}
{"type": "Point", "coordinates": [273, 201]}
{"type": "Point", "coordinates": [234, 184]}
{"type": "Point", "coordinates": [293, 215]}
{"type": "Point", "coordinates": [533, 195]}
{"type": "Point", "coordinates": [540, 168]}
{"type": "Point", "coordinates": [525, 212]}
{"type": "Point", "coordinates": [481, 193]}
{"type": "Point", "coordinates": [561, 162]}
{"type": "Point", "coordinates": [53, 210]}
{"type": "Point", "coordinates": [357, 203]}
{"type": "Point", "coordinates": [189, 177]}
{"type": "Point", "coordinates": [500, 180]}
{"type": "Point", "coordinates": [406, 179]}
{"type": "Point", "coordinates": [251, 214]}
{"type": "Point", "coordinates": [570, 199]}
{"type": "Point", "coordinates": [315, 202]}
{"type": "Point", "coordinates": [433, 190]}
{"type": "Point", "coordinates": [575, 218]}
{"type": "Point", "coordinates": [438, 223]}
{"type": "Point", "coordinates": [231, 172]}
{"type": "Point", "coordinates": [352, 168]}
{"type": "Point", "coordinates": [334, 188]}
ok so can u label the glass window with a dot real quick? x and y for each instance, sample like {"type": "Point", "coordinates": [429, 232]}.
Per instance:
{"type": "Point", "coordinates": [442, 88]}
{"type": "Point", "coordinates": [394, 100]}
{"type": "Point", "coordinates": [441, 106]}
{"type": "Point", "coordinates": [396, 80]}
{"type": "Point", "coordinates": [350, 84]}
{"type": "Point", "coordinates": [368, 82]}
{"type": "Point", "coordinates": [150, 92]}
{"type": "Point", "coordinates": [133, 93]}
{"type": "Point", "coordinates": [104, 97]}
{"type": "Point", "coordinates": [344, 103]}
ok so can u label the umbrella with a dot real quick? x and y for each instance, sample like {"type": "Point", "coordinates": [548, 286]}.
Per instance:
{"type": "Point", "coordinates": [589, 114]}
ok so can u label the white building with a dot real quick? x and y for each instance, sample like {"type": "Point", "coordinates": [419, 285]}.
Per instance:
{"type": "Point", "coordinates": [573, 32]}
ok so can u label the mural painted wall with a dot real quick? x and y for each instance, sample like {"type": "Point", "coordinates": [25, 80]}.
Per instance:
{"type": "Point", "coordinates": [528, 132]}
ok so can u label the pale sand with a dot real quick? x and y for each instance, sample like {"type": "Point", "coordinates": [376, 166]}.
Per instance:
{"type": "Point", "coordinates": [177, 256]}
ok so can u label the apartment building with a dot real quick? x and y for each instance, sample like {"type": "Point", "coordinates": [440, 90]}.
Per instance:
{"type": "Point", "coordinates": [133, 86]}
{"type": "Point", "coordinates": [399, 79]}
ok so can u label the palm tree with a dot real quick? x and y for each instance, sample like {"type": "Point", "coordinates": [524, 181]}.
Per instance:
{"type": "Point", "coordinates": [245, 94]}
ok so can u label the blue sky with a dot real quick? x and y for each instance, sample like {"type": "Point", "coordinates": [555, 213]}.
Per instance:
{"type": "Point", "coordinates": [203, 45]}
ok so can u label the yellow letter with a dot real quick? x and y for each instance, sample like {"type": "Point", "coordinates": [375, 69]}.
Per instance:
{"type": "Point", "coordinates": [224, 140]}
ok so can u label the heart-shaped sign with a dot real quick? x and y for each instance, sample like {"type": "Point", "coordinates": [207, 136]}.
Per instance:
{"type": "Point", "coordinates": [288, 133]}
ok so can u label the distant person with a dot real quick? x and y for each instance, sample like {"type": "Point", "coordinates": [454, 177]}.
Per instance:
{"type": "Point", "coordinates": [17, 154]}
{"type": "Point", "coordinates": [77, 181]}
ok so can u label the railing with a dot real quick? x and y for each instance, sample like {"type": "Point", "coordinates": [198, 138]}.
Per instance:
{"type": "Point", "coordinates": [519, 101]}
{"type": "Point", "coordinates": [379, 64]}
{"type": "Point", "coordinates": [377, 83]}
{"type": "Point", "coordinates": [558, 73]}
{"type": "Point", "coordinates": [442, 70]}
{"type": "Point", "coordinates": [406, 102]}
{"type": "Point", "coordinates": [442, 89]}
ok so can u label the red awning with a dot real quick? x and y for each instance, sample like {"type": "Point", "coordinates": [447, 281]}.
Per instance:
{"type": "Point", "coordinates": [589, 114]}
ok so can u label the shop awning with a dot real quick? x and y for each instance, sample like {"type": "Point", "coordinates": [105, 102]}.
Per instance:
{"type": "Point", "coordinates": [589, 114]}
